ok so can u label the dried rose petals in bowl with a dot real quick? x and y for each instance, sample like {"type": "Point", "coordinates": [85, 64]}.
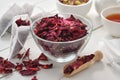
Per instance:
{"type": "Point", "coordinates": [61, 36]}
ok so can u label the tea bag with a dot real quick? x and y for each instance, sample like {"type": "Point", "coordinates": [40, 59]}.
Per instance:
{"type": "Point", "coordinates": [5, 21]}
{"type": "Point", "coordinates": [14, 10]}
{"type": "Point", "coordinates": [28, 8]}
{"type": "Point", "coordinates": [37, 13]}
{"type": "Point", "coordinates": [19, 33]}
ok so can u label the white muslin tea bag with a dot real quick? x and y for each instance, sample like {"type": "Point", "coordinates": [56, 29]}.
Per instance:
{"type": "Point", "coordinates": [37, 13]}
{"type": "Point", "coordinates": [111, 50]}
{"type": "Point", "coordinates": [14, 10]}
{"type": "Point", "coordinates": [28, 8]}
{"type": "Point", "coordinates": [5, 21]}
{"type": "Point", "coordinates": [19, 34]}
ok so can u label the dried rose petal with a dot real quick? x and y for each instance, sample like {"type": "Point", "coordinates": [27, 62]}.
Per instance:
{"type": "Point", "coordinates": [91, 56]}
{"type": "Point", "coordinates": [68, 70]}
{"type": "Point", "coordinates": [1, 69]}
{"type": "Point", "coordinates": [46, 66]}
{"type": "Point", "coordinates": [30, 66]}
{"type": "Point", "coordinates": [31, 63]}
{"type": "Point", "coordinates": [87, 58]}
{"type": "Point", "coordinates": [27, 54]}
{"type": "Point", "coordinates": [33, 68]}
{"type": "Point", "coordinates": [19, 67]}
{"type": "Point", "coordinates": [77, 63]}
{"type": "Point", "coordinates": [8, 64]}
{"type": "Point", "coordinates": [58, 29]}
{"type": "Point", "coordinates": [34, 78]}
{"type": "Point", "coordinates": [21, 22]}
{"type": "Point", "coordinates": [8, 70]}
{"type": "Point", "coordinates": [42, 57]}
{"type": "Point", "coordinates": [27, 63]}
{"type": "Point", "coordinates": [1, 58]}
{"type": "Point", "coordinates": [19, 56]}
{"type": "Point", "coordinates": [27, 72]}
{"type": "Point", "coordinates": [35, 62]}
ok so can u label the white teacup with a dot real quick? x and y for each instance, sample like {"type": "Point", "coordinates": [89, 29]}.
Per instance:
{"type": "Point", "coordinates": [112, 26]}
{"type": "Point", "coordinates": [81, 9]}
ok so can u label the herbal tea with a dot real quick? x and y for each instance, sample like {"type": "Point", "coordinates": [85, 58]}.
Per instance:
{"type": "Point", "coordinates": [114, 17]}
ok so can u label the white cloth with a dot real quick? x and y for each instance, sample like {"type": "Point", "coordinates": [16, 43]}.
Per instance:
{"type": "Point", "coordinates": [118, 1]}
{"type": "Point", "coordinates": [111, 50]}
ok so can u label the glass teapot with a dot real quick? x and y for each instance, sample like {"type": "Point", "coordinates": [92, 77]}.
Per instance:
{"type": "Point", "coordinates": [101, 4]}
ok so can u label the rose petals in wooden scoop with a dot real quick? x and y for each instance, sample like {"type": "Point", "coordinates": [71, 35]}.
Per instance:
{"type": "Point", "coordinates": [81, 63]}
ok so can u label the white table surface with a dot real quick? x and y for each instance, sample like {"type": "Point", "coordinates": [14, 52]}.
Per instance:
{"type": "Point", "coordinates": [99, 71]}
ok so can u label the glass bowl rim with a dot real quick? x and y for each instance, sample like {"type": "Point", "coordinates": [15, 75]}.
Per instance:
{"type": "Point", "coordinates": [76, 40]}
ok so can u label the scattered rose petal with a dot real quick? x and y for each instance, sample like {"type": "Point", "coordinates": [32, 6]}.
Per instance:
{"type": "Point", "coordinates": [34, 78]}
{"type": "Point", "coordinates": [19, 66]}
{"type": "Point", "coordinates": [33, 68]}
{"type": "Point", "coordinates": [8, 70]}
{"type": "Point", "coordinates": [26, 67]}
{"type": "Point", "coordinates": [27, 72]}
{"type": "Point", "coordinates": [27, 54]}
{"type": "Point", "coordinates": [46, 66]}
{"type": "Point", "coordinates": [19, 56]}
{"type": "Point", "coordinates": [1, 58]}
{"type": "Point", "coordinates": [1, 69]}
{"type": "Point", "coordinates": [42, 57]}
{"type": "Point", "coordinates": [8, 64]}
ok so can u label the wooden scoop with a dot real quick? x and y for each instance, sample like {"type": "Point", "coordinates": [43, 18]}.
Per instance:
{"type": "Point", "coordinates": [98, 55]}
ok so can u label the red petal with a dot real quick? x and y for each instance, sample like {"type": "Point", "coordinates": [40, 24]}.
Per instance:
{"type": "Point", "coordinates": [34, 78]}
{"type": "Point", "coordinates": [42, 57]}
{"type": "Point", "coordinates": [34, 68]}
{"type": "Point", "coordinates": [21, 22]}
{"type": "Point", "coordinates": [19, 67]}
{"type": "Point", "coordinates": [1, 69]}
{"type": "Point", "coordinates": [46, 66]}
{"type": "Point", "coordinates": [27, 72]}
{"type": "Point", "coordinates": [27, 54]}
{"type": "Point", "coordinates": [7, 70]}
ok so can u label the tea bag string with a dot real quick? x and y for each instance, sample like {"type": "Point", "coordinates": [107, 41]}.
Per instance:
{"type": "Point", "coordinates": [22, 48]}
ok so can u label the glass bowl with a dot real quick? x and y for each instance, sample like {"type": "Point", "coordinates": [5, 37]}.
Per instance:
{"type": "Point", "coordinates": [62, 51]}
